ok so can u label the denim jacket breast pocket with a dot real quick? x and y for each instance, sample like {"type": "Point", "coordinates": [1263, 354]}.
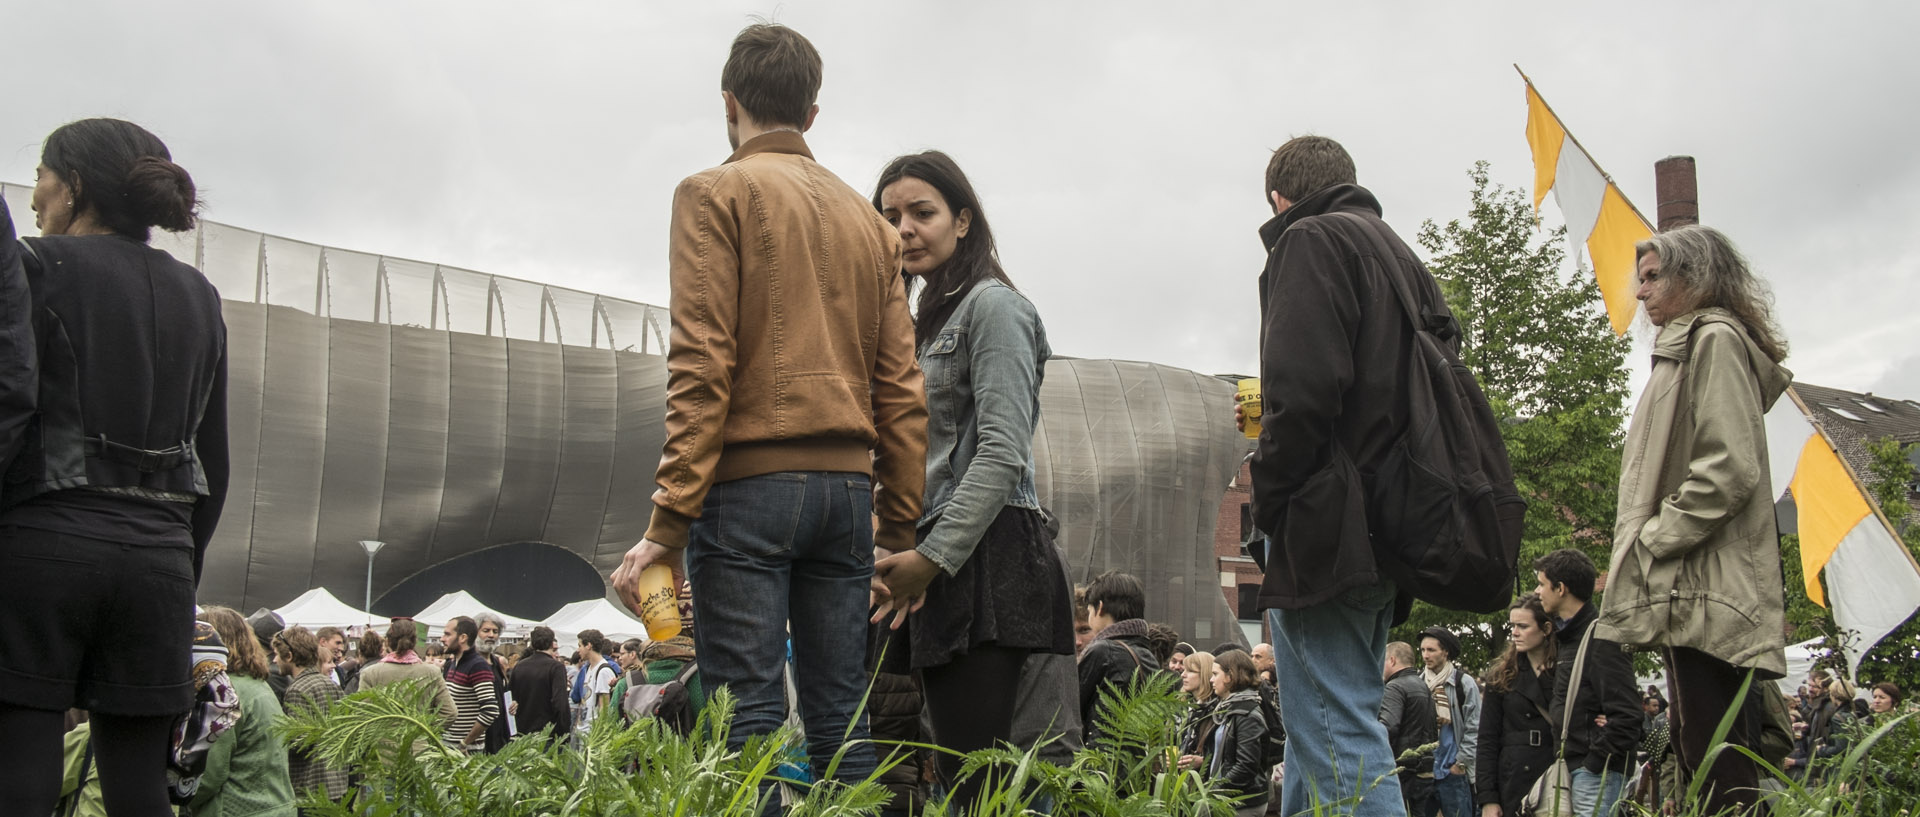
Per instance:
{"type": "Point", "coordinates": [944, 364]}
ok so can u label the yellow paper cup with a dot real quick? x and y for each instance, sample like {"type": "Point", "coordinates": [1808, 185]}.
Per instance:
{"type": "Point", "coordinates": [659, 603]}
{"type": "Point", "coordinates": [1249, 397]}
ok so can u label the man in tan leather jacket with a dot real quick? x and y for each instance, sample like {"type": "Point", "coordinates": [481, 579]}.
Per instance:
{"type": "Point", "coordinates": [1696, 554]}
{"type": "Point", "coordinates": [795, 411]}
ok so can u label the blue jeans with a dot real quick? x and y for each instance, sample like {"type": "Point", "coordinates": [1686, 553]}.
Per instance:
{"type": "Point", "coordinates": [779, 553]}
{"type": "Point", "coordinates": [1452, 796]}
{"type": "Point", "coordinates": [1326, 662]}
{"type": "Point", "coordinates": [1593, 795]}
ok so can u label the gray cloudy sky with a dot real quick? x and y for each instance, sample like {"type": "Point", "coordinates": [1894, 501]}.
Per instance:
{"type": "Point", "coordinates": [1118, 146]}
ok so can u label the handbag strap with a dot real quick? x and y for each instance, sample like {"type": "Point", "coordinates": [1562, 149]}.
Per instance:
{"type": "Point", "coordinates": [1573, 686]}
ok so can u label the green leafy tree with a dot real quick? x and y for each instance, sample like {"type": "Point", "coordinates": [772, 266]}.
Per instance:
{"type": "Point", "coordinates": [1537, 338]}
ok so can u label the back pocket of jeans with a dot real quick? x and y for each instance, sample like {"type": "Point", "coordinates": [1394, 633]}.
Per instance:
{"type": "Point", "coordinates": [756, 516]}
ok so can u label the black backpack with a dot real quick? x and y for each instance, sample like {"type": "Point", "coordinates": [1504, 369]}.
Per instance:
{"type": "Point", "coordinates": [1441, 505]}
{"type": "Point", "coordinates": [1274, 749]}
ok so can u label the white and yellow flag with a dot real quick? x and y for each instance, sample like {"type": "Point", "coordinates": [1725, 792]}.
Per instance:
{"type": "Point", "coordinates": [1874, 582]}
{"type": "Point", "coordinates": [1873, 579]}
{"type": "Point", "coordinates": [1597, 214]}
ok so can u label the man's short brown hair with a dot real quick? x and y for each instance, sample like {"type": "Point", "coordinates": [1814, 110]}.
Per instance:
{"type": "Point", "coordinates": [774, 73]}
{"type": "Point", "coordinates": [1305, 165]}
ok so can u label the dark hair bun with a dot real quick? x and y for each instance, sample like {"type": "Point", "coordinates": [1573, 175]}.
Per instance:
{"type": "Point", "coordinates": [160, 193]}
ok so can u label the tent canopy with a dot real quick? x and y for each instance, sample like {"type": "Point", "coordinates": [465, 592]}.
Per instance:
{"type": "Point", "coordinates": [462, 603]}
{"type": "Point", "coordinates": [318, 608]}
{"type": "Point", "coordinates": [594, 614]}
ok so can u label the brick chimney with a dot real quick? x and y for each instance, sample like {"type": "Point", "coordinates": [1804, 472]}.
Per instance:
{"type": "Point", "coordinates": [1678, 191]}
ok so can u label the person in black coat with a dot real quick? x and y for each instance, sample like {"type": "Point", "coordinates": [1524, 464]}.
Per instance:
{"type": "Point", "coordinates": [112, 495]}
{"type": "Point", "coordinates": [1603, 734]}
{"type": "Point", "coordinates": [1516, 742]}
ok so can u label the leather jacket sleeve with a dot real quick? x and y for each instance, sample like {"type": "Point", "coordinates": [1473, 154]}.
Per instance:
{"type": "Point", "coordinates": [19, 373]}
{"type": "Point", "coordinates": [899, 424]}
{"type": "Point", "coordinates": [210, 446]}
{"type": "Point", "coordinates": [1393, 714]}
{"type": "Point", "coordinates": [1242, 770]}
{"type": "Point", "coordinates": [704, 270]}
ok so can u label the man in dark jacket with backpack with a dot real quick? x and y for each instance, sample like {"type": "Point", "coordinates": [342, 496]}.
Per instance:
{"type": "Point", "coordinates": [1119, 655]}
{"type": "Point", "coordinates": [1336, 353]}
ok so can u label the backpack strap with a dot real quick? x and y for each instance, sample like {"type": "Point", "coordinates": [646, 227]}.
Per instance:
{"type": "Point", "coordinates": [686, 672]}
{"type": "Point", "coordinates": [1441, 324]}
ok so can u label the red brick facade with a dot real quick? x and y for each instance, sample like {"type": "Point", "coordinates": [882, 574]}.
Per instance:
{"type": "Point", "coordinates": [1236, 570]}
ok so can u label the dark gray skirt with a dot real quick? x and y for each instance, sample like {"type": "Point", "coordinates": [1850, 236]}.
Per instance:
{"type": "Point", "coordinates": [1013, 592]}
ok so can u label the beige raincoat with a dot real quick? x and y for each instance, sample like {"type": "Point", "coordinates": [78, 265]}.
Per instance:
{"type": "Point", "coordinates": [1696, 554]}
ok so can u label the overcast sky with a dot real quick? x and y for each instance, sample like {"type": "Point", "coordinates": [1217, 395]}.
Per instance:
{"type": "Point", "coordinates": [1118, 147]}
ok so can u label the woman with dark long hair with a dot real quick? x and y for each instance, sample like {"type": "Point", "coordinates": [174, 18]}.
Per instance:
{"type": "Point", "coordinates": [1516, 742]}
{"type": "Point", "coordinates": [985, 583]}
{"type": "Point", "coordinates": [107, 508]}
{"type": "Point", "coordinates": [1228, 746]}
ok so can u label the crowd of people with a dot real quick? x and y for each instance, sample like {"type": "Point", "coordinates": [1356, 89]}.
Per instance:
{"type": "Point", "coordinates": [846, 475]}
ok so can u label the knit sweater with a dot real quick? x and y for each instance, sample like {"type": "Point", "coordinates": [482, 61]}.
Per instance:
{"type": "Point", "coordinates": [385, 672]}
{"type": "Point", "coordinates": [470, 680]}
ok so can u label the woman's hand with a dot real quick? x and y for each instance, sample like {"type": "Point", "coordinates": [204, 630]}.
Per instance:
{"type": "Point", "coordinates": [905, 576]}
{"type": "Point", "coordinates": [1490, 810]}
{"type": "Point", "coordinates": [1191, 761]}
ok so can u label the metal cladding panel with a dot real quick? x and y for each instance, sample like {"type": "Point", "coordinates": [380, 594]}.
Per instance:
{"type": "Point", "coordinates": [582, 481]}
{"type": "Point", "coordinates": [1133, 459]}
{"type": "Point", "coordinates": [639, 432]}
{"type": "Point", "coordinates": [286, 498]}
{"type": "Point", "coordinates": [416, 454]}
{"type": "Point", "coordinates": [353, 481]}
{"type": "Point", "coordinates": [534, 399]}
{"type": "Point", "coordinates": [476, 439]}
{"type": "Point", "coordinates": [223, 575]}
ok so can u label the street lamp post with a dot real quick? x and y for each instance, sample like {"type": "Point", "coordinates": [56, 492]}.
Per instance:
{"type": "Point", "coordinates": [372, 546]}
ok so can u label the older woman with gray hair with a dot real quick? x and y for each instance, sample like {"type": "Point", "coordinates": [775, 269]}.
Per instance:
{"type": "Point", "coordinates": [1696, 557]}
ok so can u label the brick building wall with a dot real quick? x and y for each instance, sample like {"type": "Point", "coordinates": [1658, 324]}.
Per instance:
{"type": "Point", "coordinates": [1239, 576]}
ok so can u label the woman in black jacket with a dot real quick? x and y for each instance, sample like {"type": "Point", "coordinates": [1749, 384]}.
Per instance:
{"type": "Point", "coordinates": [107, 507]}
{"type": "Point", "coordinates": [1516, 743]}
{"type": "Point", "coordinates": [1232, 737]}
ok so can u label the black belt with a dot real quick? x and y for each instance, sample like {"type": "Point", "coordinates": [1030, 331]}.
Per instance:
{"type": "Point", "coordinates": [141, 459]}
{"type": "Point", "coordinates": [1531, 737]}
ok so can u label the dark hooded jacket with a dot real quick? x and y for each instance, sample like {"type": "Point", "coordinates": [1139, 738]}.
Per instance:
{"type": "Point", "coordinates": [1335, 353]}
{"type": "Point", "coordinates": [1118, 656]}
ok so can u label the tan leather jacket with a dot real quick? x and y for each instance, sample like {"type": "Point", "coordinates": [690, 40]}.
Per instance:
{"type": "Point", "coordinates": [1696, 553]}
{"type": "Point", "coordinates": [792, 348]}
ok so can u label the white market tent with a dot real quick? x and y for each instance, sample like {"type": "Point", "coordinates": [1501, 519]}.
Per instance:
{"type": "Point", "coordinates": [462, 603]}
{"type": "Point", "coordinates": [318, 608]}
{"type": "Point", "coordinates": [594, 614]}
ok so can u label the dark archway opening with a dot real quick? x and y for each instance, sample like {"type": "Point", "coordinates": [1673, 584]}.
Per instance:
{"type": "Point", "coordinates": [526, 579]}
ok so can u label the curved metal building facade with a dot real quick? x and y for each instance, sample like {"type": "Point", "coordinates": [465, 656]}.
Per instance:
{"type": "Point", "coordinates": [447, 412]}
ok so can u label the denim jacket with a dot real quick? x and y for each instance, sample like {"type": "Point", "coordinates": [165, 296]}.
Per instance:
{"type": "Point", "coordinates": [983, 371]}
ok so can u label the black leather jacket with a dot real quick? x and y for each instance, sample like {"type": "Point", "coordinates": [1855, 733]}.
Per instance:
{"type": "Point", "coordinates": [1239, 734]}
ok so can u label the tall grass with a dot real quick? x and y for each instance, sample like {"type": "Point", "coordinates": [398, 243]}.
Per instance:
{"type": "Point", "coordinates": [391, 737]}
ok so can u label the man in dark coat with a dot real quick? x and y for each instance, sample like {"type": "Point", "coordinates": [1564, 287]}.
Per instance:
{"type": "Point", "coordinates": [1406, 709]}
{"type": "Point", "coordinates": [539, 688]}
{"type": "Point", "coordinates": [1604, 733]}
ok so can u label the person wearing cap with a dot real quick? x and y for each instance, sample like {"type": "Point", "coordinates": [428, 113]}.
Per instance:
{"type": "Point", "coordinates": [1456, 703]}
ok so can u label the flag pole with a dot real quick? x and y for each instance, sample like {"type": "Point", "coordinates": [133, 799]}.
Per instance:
{"type": "Point", "coordinates": [1872, 504]}
{"type": "Point", "coordinates": [1583, 148]}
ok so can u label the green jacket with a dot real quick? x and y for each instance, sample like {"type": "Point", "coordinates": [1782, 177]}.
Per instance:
{"type": "Point", "coordinates": [82, 795]}
{"type": "Point", "coordinates": [1696, 553]}
{"type": "Point", "coordinates": [246, 772]}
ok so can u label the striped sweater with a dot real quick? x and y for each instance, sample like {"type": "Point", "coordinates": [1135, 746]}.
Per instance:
{"type": "Point", "coordinates": [471, 682]}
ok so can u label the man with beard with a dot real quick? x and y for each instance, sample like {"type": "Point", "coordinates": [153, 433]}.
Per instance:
{"type": "Point", "coordinates": [491, 625]}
